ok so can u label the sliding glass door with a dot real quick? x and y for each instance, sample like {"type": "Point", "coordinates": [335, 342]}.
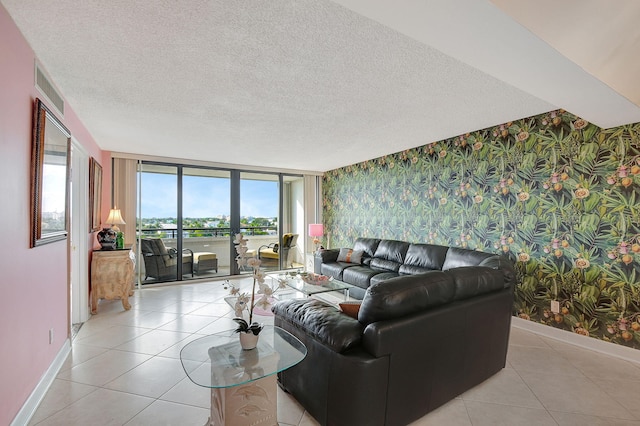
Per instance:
{"type": "Point", "coordinates": [272, 215]}
{"type": "Point", "coordinates": [188, 217]}
{"type": "Point", "coordinates": [161, 258]}
{"type": "Point", "coordinates": [206, 212]}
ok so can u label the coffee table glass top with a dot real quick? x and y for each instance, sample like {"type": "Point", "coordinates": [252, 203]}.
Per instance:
{"type": "Point", "coordinates": [297, 283]}
{"type": "Point", "coordinates": [218, 360]}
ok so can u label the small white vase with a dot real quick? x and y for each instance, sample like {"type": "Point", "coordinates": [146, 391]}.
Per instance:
{"type": "Point", "coordinates": [248, 340]}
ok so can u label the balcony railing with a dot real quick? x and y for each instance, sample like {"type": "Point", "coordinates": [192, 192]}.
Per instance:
{"type": "Point", "coordinates": [207, 232]}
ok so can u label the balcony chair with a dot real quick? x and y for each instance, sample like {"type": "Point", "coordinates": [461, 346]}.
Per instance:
{"type": "Point", "coordinates": [161, 262]}
{"type": "Point", "coordinates": [273, 251]}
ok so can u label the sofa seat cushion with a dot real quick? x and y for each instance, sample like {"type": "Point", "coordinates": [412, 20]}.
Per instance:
{"type": "Point", "coordinates": [471, 281]}
{"type": "Point", "coordinates": [324, 322]}
{"type": "Point", "coordinates": [382, 277]}
{"type": "Point", "coordinates": [358, 276]}
{"type": "Point", "coordinates": [405, 295]}
{"type": "Point", "coordinates": [335, 269]}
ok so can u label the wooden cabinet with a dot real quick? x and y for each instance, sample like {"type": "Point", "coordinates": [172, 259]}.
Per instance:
{"type": "Point", "coordinates": [112, 274]}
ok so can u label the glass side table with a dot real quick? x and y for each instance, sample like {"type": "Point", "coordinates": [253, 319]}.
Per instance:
{"type": "Point", "coordinates": [243, 383]}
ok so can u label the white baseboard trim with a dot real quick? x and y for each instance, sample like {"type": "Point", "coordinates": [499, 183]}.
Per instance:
{"type": "Point", "coordinates": [31, 404]}
{"type": "Point", "coordinates": [590, 343]}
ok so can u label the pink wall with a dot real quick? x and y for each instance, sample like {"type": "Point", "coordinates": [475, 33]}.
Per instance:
{"type": "Point", "coordinates": [33, 282]}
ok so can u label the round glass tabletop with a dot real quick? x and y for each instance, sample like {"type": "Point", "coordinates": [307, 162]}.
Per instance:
{"type": "Point", "coordinates": [218, 360]}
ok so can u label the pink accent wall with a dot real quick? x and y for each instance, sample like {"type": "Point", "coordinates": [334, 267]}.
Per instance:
{"type": "Point", "coordinates": [33, 281]}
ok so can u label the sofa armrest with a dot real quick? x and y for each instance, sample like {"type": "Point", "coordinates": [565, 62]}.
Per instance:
{"type": "Point", "coordinates": [324, 256]}
{"type": "Point", "coordinates": [503, 264]}
{"type": "Point", "coordinates": [324, 322]}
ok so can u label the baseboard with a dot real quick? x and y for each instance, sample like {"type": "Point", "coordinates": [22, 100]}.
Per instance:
{"type": "Point", "coordinates": [593, 344]}
{"type": "Point", "coordinates": [31, 405]}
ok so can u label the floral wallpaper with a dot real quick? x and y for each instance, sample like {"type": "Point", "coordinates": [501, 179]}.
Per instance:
{"type": "Point", "coordinates": [556, 194]}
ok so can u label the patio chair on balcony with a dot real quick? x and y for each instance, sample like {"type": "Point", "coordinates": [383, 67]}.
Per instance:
{"type": "Point", "coordinates": [273, 251]}
{"type": "Point", "coordinates": [161, 262]}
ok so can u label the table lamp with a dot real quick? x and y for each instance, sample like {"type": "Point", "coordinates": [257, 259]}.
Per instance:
{"type": "Point", "coordinates": [115, 219]}
{"type": "Point", "coordinates": [316, 230]}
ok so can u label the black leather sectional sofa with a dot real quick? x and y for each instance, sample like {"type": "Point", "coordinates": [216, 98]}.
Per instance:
{"type": "Point", "coordinates": [434, 321]}
{"type": "Point", "coordinates": [384, 259]}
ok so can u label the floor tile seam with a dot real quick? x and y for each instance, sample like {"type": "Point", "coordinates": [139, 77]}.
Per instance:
{"type": "Point", "coordinates": [208, 316]}
{"type": "Point", "coordinates": [568, 351]}
{"type": "Point", "coordinates": [538, 372]}
{"type": "Point", "coordinates": [208, 408]}
{"type": "Point", "coordinates": [57, 410]}
{"type": "Point", "coordinates": [141, 410]}
{"type": "Point", "coordinates": [90, 358]}
{"type": "Point", "coordinates": [573, 412]}
{"type": "Point", "coordinates": [541, 407]}
{"type": "Point", "coordinates": [128, 352]}
{"type": "Point", "coordinates": [93, 391]}
{"type": "Point", "coordinates": [181, 403]}
{"type": "Point", "coordinates": [466, 409]}
{"type": "Point", "coordinates": [594, 350]}
{"type": "Point", "coordinates": [507, 405]}
{"type": "Point", "coordinates": [633, 419]}
{"type": "Point", "coordinates": [614, 399]}
{"type": "Point", "coordinates": [534, 393]}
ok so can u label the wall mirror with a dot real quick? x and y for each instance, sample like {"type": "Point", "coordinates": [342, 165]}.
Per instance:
{"type": "Point", "coordinates": [95, 194]}
{"type": "Point", "coordinates": [49, 177]}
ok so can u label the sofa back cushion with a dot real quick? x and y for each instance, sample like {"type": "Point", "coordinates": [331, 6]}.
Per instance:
{"type": "Point", "coordinates": [458, 257]}
{"type": "Point", "coordinates": [389, 255]}
{"type": "Point", "coordinates": [472, 281]}
{"type": "Point", "coordinates": [422, 258]}
{"type": "Point", "coordinates": [405, 295]}
{"type": "Point", "coordinates": [368, 246]}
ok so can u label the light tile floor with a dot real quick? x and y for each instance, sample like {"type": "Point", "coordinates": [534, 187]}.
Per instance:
{"type": "Point", "coordinates": [125, 369]}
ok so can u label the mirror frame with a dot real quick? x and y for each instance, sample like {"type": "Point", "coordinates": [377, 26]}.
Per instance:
{"type": "Point", "coordinates": [48, 131]}
{"type": "Point", "coordinates": [95, 194]}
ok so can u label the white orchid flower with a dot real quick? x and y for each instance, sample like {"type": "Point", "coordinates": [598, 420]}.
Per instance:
{"type": "Point", "coordinates": [263, 302]}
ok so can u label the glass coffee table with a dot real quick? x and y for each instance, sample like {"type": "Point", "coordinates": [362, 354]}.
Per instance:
{"type": "Point", "coordinates": [243, 382]}
{"type": "Point", "coordinates": [296, 282]}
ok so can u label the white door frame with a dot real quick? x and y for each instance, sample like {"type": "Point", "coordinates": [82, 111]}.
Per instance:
{"type": "Point", "coordinates": [79, 241]}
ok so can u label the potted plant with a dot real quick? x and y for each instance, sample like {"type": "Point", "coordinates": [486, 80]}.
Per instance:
{"type": "Point", "coordinates": [249, 331]}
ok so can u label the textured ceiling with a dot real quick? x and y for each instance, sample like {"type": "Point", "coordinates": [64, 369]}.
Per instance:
{"type": "Point", "coordinates": [299, 85]}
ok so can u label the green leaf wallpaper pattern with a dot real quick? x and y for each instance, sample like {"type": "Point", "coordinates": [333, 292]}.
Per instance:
{"type": "Point", "coordinates": [556, 194]}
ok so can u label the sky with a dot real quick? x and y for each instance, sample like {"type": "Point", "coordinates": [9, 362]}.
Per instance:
{"type": "Point", "coordinates": [205, 196]}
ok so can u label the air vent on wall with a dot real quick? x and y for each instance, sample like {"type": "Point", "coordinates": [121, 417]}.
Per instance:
{"type": "Point", "coordinates": [46, 88]}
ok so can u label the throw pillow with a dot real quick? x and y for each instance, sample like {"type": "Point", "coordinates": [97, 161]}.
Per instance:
{"type": "Point", "coordinates": [350, 255]}
{"type": "Point", "coordinates": [350, 308]}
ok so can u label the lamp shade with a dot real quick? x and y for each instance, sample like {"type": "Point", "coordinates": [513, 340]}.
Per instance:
{"type": "Point", "coordinates": [115, 217]}
{"type": "Point", "coordinates": [316, 230]}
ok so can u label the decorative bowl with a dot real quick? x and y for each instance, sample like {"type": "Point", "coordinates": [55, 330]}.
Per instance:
{"type": "Point", "coordinates": [315, 279]}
